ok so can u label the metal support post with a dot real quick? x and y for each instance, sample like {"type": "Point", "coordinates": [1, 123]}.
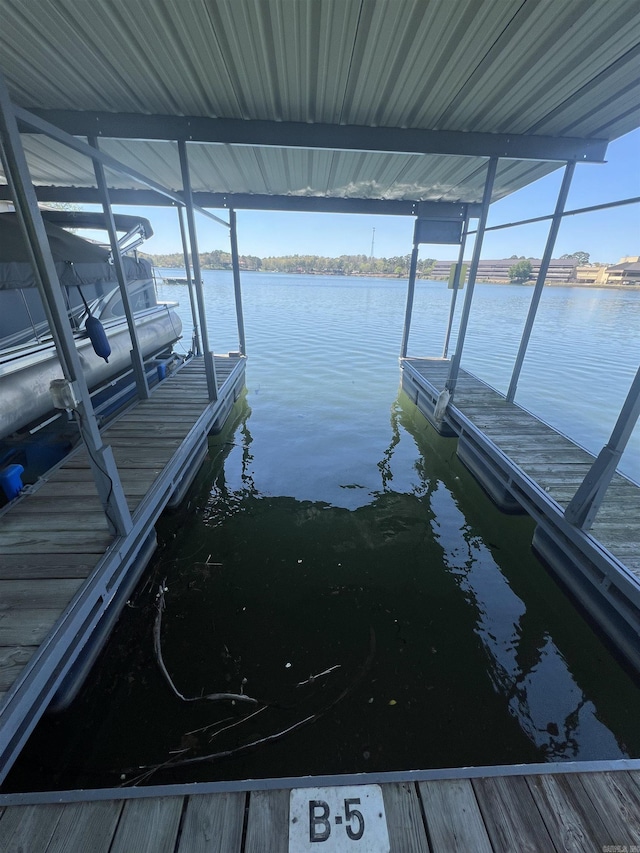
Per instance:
{"type": "Point", "coordinates": [411, 287]}
{"type": "Point", "coordinates": [101, 459]}
{"type": "Point", "coordinates": [456, 285]}
{"type": "Point", "coordinates": [194, 310]}
{"type": "Point", "coordinates": [233, 233]}
{"type": "Point", "coordinates": [542, 274]}
{"type": "Point", "coordinates": [584, 505]}
{"type": "Point", "coordinates": [209, 364]}
{"type": "Point", "coordinates": [137, 362]}
{"type": "Point", "coordinates": [473, 272]}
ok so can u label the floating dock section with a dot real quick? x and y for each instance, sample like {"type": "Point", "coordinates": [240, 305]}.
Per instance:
{"type": "Point", "coordinates": [64, 576]}
{"type": "Point", "coordinates": [525, 465]}
{"type": "Point", "coordinates": [487, 810]}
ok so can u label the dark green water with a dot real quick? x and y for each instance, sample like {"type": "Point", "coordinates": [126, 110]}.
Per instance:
{"type": "Point", "coordinates": [332, 529]}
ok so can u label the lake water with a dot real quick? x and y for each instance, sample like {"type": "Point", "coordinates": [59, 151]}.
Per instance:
{"type": "Point", "coordinates": [336, 562]}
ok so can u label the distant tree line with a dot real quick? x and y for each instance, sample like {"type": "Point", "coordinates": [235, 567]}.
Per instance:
{"type": "Point", "coordinates": [216, 260]}
{"type": "Point", "coordinates": [312, 264]}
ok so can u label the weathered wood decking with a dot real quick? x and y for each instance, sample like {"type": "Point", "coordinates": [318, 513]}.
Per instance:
{"type": "Point", "coordinates": [59, 564]}
{"type": "Point", "coordinates": [539, 470]}
{"type": "Point", "coordinates": [542, 812]}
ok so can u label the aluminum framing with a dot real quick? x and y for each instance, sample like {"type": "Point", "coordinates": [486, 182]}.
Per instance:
{"type": "Point", "coordinates": [401, 140]}
{"type": "Point", "coordinates": [542, 274]}
{"type": "Point", "coordinates": [330, 780]}
{"type": "Point", "coordinates": [257, 201]}
{"type": "Point", "coordinates": [24, 117]}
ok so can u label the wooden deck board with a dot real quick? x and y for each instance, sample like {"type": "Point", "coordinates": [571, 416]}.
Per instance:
{"type": "Point", "coordinates": [69, 541]}
{"type": "Point", "coordinates": [616, 799]}
{"type": "Point", "coordinates": [27, 627]}
{"type": "Point", "coordinates": [213, 824]}
{"type": "Point", "coordinates": [510, 815]}
{"type": "Point", "coordinates": [37, 566]}
{"type": "Point", "coordinates": [568, 814]}
{"type": "Point", "coordinates": [13, 660]}
{"type": "Point", "coordinates": [453, 816]}
{"type": "Point", "coordinates": [44, 595]}
{"type": "Point", "coordinates": [25, 521]}
{"type": "Point", "coordinates": [404, 818]}
{"type": "Point", "coordinates": [268, 822]}
{"type": "Point", "coordinates": [86, 826]}
{"type": "Point", "coordinates": [29, 828]}
{"type": "Point", "coordinates": [148, 826]}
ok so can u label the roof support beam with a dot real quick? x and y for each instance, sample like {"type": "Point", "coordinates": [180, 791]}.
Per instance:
{"type": "Point", "coordinates": [248, 201]}
{"type": "Point", "coordinates": [329, 136]}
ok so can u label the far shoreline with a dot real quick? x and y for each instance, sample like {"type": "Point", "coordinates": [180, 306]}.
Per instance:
{"type": "Point", "coordinates": [635, 287]}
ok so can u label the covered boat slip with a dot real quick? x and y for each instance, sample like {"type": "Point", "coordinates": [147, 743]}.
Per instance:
{"type": "Point", "coordinates": [526, 465]}
{"type": "Point", "coordinates": [498, 811]}
{"type": "Point", "coordinates": [64, 575]}
{"type": "Point", "coordinates": [420, 108]}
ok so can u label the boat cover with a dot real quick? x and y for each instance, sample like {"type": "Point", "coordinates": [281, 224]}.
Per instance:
{"type": "Point", "coordinates": [78, 261]}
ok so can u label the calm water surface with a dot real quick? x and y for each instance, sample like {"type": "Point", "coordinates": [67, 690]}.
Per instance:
{"type": "Point", "coordinates": [336, 562]}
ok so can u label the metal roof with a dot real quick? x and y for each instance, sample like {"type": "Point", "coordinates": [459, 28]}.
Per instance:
{"type": "Point", "coordinates": [376, 99]}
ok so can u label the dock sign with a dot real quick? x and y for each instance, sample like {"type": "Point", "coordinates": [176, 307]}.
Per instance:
{"type": "Point", "coordinates": [345, 819]}
{"type": "Point", "coordinates": [452, 273]}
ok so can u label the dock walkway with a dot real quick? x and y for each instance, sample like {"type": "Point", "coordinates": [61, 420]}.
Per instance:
{"type": "Point", "coordinates": [526, 465]}
{"type": "Point", "coordinates": [61, 568]}
{"type": "Point", "coordinates": [547, 811]}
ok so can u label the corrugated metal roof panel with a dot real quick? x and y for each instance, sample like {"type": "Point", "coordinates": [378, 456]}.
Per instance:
{"type": "Point", "coordinates": [285, 171]}
{"type": "Point", "coordinates": [500, 66]}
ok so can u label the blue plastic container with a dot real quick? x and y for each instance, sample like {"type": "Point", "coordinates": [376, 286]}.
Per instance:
{"type": "Point", "coordinates": [10, 480]}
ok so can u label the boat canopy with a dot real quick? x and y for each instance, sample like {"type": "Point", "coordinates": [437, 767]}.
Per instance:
{"type": "Point", "coordinates": [78, 261]}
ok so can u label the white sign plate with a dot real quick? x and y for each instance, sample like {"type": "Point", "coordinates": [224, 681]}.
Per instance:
{"type": "Point", "coordinates": [346, 819]}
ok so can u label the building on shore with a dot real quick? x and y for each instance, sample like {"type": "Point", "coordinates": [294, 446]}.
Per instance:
{"type": "Point", "coordinates": [560, 271]}
{"type": "Point", "coordinates": [625, 272]}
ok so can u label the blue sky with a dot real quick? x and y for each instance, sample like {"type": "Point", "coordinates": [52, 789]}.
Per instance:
{"type": "Point", "coordinates": [607, 236]}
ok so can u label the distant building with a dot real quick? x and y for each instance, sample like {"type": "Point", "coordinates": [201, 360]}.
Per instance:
{"type": "Point", "coordinates": [625, 272]}
{"type": "Point", "coordinates": [560, 271]}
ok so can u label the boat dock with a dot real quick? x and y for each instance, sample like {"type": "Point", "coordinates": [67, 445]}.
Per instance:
{"type": "Point", "coordinates": [336, 109]}
{"type": "Point", "coordinates": [501, 809]}
{"type": "Point", "coordinates": [63, 575]}
{"type": "Point", "coordinates": [527, 466]}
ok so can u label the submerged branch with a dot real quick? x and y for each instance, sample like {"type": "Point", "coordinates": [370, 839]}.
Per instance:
{"type": "Point", "coordinates": [212, 697]}
{"type": "Point", "coordinates": [311, 718]}
{"type": "Point", "coordinates": [313, 678]}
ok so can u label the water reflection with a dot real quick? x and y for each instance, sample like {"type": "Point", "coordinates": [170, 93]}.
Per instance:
{"type": "Point", "coordinates": [522, 663]}
{"type": "Point", "coordinates": [525, 664]}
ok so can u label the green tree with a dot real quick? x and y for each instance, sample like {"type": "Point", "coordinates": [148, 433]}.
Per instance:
{"type": "Point", "coordinates": [520, 272]}
{"type": "Point", "coordinates": [581, 257]}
